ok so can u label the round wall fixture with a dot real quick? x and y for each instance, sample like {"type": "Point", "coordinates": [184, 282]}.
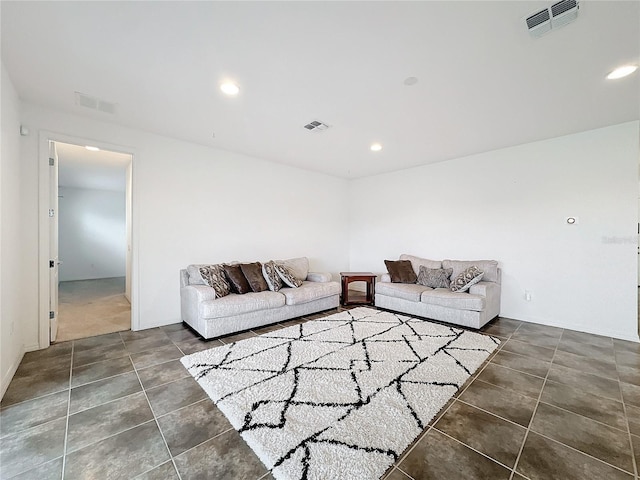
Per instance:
{"type": "Point", "coordinates": [409, 81]}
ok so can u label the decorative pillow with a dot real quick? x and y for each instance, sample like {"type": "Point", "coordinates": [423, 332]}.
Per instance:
{"type": "Point", "coordinates": [435, 277]}
{"type": "Point", "coordinates": [299, 267]}
{"type": "Point", "coordinates": [470, 276]}
{"type": "Point", "coordinates": [401, 271]}
{"type": "Point", "coordinates": [213, 275]}
{"type": "Point", "coordinates": [274, 282]}
{"type": "Point", "coordinates": [253, 274]}
{"type": "Point", "coordinates": [287, 276]}
{"type": "Point", "coordinates": [237, 280]}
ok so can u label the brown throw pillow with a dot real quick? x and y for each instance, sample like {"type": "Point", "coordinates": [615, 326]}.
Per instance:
{"type": "Point", "coordinates": [401, 271]}
{"type": "Point", "coordinates": [253, 274]}
{"type": "Point", "coordinates": [237, 280]}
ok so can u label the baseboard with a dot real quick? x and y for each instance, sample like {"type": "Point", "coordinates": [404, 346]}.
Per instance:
{"type": "Point", "coordinates": [580, 328]}
{"type": "Point", "coordinates": [6, 379]}
{"type": "Point", "coordinates": [32, 347]}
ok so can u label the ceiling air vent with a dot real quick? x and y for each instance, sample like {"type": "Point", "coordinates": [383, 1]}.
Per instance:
{"type": "Point", "coordinates": [557, 15]}
{"type": "Point", "coordinates": [95, 103]}
{"type": "Point", "coordinates": [316, 126]}
{"type": "Point", "coordinates": [563, 12]}
{"type": "Point", "coordinates": [539, 23]}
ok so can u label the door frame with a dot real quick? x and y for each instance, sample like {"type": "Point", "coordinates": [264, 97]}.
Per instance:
{"type": "Point", "coordinates": [44, 173]}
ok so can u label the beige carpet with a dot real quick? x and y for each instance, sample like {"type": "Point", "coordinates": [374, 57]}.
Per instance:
{"type": "Point", "coordinates": [92, 307]}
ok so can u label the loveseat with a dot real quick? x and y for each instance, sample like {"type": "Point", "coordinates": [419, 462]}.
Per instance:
{"type": "Point", "coordinates": [212, 315]}
{"type": "Point", "coordinates": [471, 308]}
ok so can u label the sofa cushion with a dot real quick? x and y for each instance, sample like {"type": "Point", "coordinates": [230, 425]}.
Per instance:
{"type": "Point", "coordinates": [271, 276]}
{"type": "Point", "coordinates": [214, 276]}
{"type": "Point", "coordinates": [237, 280]}
{"type": "Point", "coordinates": [406, 291]}
{"type": "Point", "coordinates": [235, 304]}
{"type": "Point", "coordinates": [287, 276]}
{"type": "Point", "coordinates": [299, 266]}
{"type": "Point", "coordinates": [435, 277]}
{"type": "Point", "coordinates": [459, 301]}
{"type": "Point", "coordinates": [489, 267]}
{"type": "Point", "coordinates": [470, 276]}
{"type": "Point", "coordinates": [417, 262]}
{"type": "Point", "coordinates": [401, 271]}
{"type": "Point", "coordinates": [253, 274]}
{"type": "Point", "coordinates": [310, 291]}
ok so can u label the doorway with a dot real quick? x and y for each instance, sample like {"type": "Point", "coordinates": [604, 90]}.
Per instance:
{"type": "Point", "coordinates": [87, 245]}
{"type": "Point", "coordinates": [92, 242]}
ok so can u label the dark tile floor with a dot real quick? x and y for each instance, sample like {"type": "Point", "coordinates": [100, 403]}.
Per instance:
{"type": "Point", "coordinates": [550, 403]}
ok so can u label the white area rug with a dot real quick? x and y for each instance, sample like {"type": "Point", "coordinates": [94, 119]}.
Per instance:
{"type": "Point", "coordinates": [339, 397]}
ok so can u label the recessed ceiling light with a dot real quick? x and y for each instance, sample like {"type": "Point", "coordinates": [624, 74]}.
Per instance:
{"type": "Point", "coordinates": [409, 81]}
{"type": "Point", "coordinates": [376, 147]}
{"type": "Point", "coordinates": [622, 72]}
{"type": "Point", "coordinates": [229, 88]}
{"type": "Point", "coordinates": [92, 149]}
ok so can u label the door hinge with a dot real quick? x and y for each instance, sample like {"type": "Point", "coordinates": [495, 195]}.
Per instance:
{"type": "Point", "coordinates": [52, 212]}
{"type": "Point", "coordinates": [52, 263]}
{"type": "Point", "coordinates": [52, 315]}
{"type": "Point", "coordinates": [51, 162]}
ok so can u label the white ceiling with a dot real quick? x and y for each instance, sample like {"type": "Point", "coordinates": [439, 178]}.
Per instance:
{"type": "Point", "coordinates": [81, 168]}
{"type": "Point", "coordinates": [484, 83]}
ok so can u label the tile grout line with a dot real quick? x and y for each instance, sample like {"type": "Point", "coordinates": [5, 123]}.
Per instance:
{"type": "Point", "coordinates": [626, 417]}
{"type": "Point", "coordinates": [533, 415]}
{"type": "Point", "coordinates": [512, 470]}
{"type": "Point", "coordinates": [155, 419]}
{"type": "Point", "coordinates": [66, 428]}
{"type": "Point", "coordinates": [209, 439]}
{"type": "Point", "coordinates": [599, 460]}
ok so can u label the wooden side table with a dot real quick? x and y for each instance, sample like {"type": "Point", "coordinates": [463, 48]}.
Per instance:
{"type": "Point", "coordinates": [368, 277]}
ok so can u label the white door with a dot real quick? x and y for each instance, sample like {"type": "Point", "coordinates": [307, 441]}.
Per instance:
{"type": "Point", "coordinates": [53, 239]}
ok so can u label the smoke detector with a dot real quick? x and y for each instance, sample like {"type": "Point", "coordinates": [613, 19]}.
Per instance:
{"type": "Point", "coordinates": [95, 103]}
{"type": "Point", "coordinates": [557, 15]}
{"type": "Point", "coordinates": [316, 126]}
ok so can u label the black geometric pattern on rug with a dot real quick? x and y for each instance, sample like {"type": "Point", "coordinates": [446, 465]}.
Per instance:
{"type": "Point", "coordinates": [342, 396]}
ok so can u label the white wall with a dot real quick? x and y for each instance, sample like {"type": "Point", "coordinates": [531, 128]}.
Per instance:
{"type": "Point", "coordinates": [193, 203]}
{"type": "Point", "coordinates": [511, 205]}
{"type": "Point", "coordinates": [13, 317]}
{"type": "Point", "coordinates": [92, 233]}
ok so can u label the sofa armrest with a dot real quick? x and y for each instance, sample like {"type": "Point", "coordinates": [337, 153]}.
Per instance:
{"type": "Point", "coordinates": [321, 277]}
{"type": "Point", "coordinates": [485, 289]}
{"type": "Point", "coordinates": [385, 278]}
{"type": "Point", "coordinates": [198, 293]}
{"type": "Point", "coordinates": [191, 297]}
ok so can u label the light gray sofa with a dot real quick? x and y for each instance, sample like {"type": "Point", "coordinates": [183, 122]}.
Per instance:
{"type": "Point", "coordinates": [470, 309]}
{"type": "Point", "coordinates": [213, 317]}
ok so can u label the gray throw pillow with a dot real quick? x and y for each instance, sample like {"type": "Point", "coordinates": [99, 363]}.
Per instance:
{"type": "Point", "coordinates": [464, 280]}
{"type": "Point", "coordinates": [435, 277]}
{"type": "Point", "coordinates": [213, 275]}
{"type": "Point", "coordinates": [401, 271]}
{"type": "Point", "coordinates": [287, 276]}
{"type": "Point", "coordinates": [274, 282]}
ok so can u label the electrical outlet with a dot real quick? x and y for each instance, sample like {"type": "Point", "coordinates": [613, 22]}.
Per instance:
{"type": "Point", "coordinates": [527, 295]}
